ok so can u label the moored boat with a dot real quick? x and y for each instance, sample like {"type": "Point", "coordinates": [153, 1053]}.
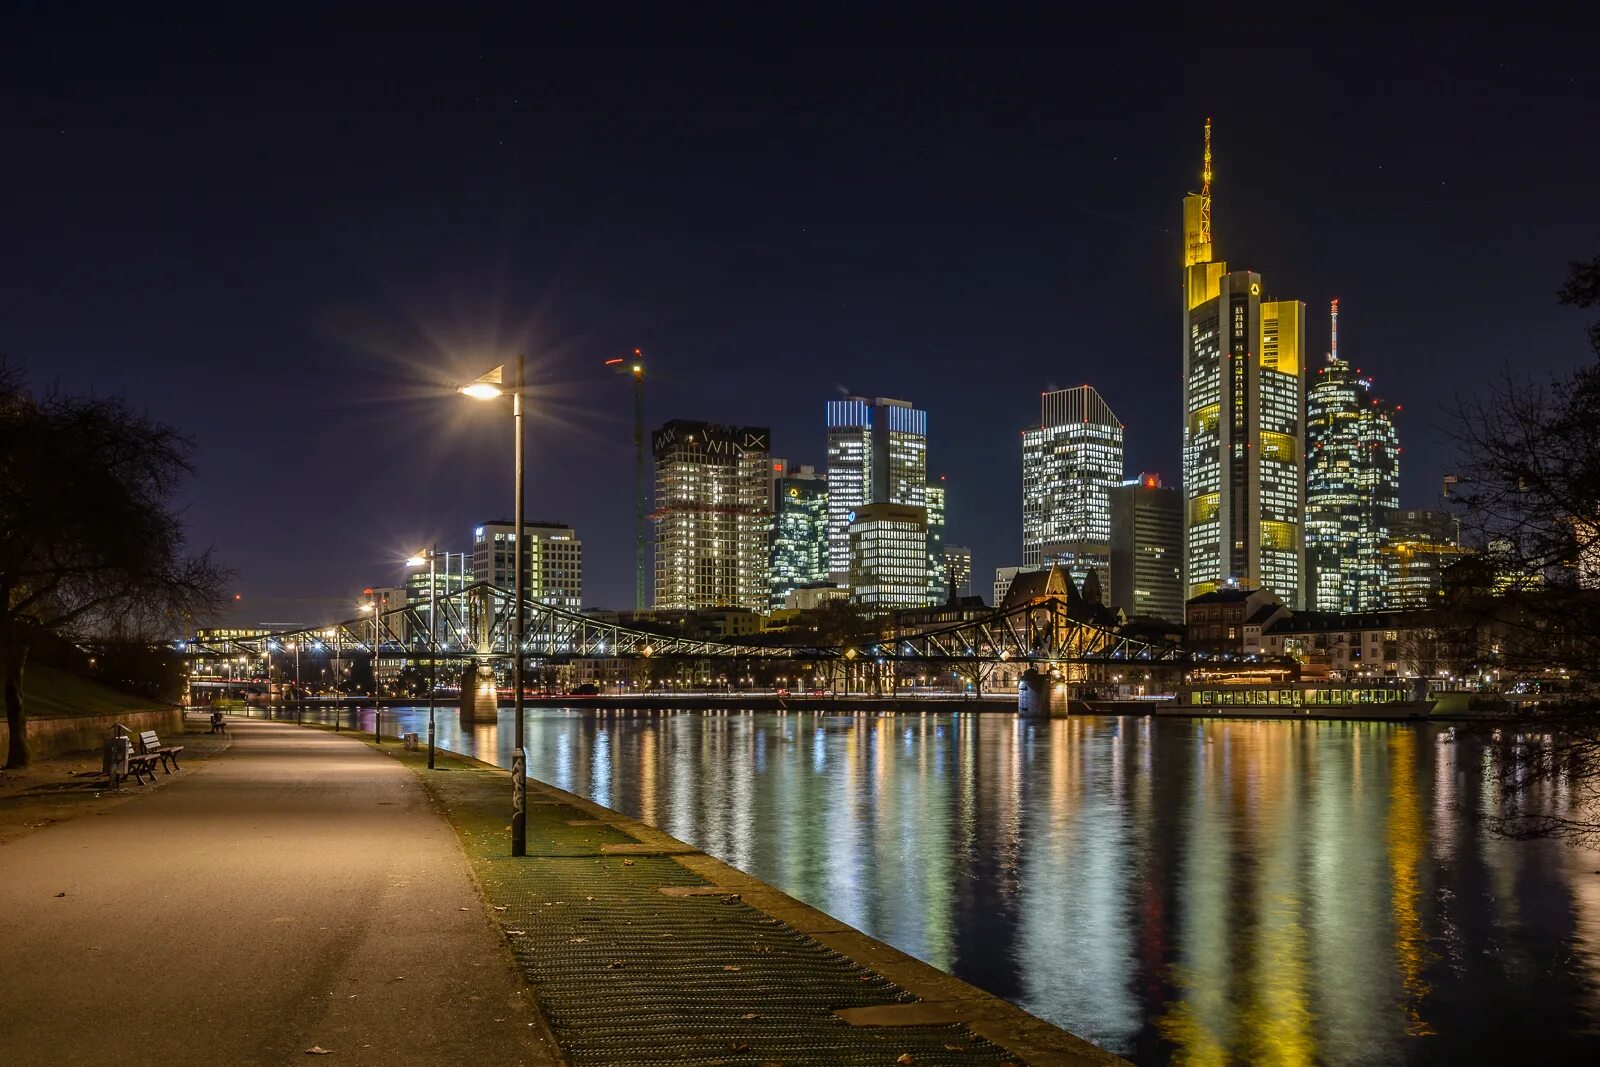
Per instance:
{"type": "Point", "coordinates": [1300, 700]}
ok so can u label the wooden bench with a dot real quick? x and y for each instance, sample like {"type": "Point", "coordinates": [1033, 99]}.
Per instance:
{"type": "Point", "coordinates": [143, 763]}
{"type": "Point", "coordinates": [150, 745]}
{"type": "Point", "coordinates": [139, 764]}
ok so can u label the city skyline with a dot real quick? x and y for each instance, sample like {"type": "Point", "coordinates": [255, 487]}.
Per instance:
{"type": "Point", "coordinates": [343, 311]}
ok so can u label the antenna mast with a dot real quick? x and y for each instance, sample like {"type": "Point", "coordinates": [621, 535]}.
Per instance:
{"type": "Point", "coordinates": [1205, 189]}
{"type": "Point", "coordinates": [1333, 316]}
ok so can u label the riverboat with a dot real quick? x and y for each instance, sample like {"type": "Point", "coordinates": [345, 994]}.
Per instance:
{"type": "Point", "coordinates": [1300, 700]}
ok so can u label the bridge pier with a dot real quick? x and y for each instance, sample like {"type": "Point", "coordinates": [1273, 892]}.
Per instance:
{"type": "Point", "coordinates": [1039, 696]}
{"type": "Point", "coordinates": [469, 693]}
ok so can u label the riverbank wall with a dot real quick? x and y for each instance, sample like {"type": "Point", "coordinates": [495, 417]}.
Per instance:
{"type": "Point", "coordinates": [76, 733]}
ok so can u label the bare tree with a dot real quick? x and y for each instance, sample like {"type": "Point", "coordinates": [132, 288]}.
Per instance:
{"type": "Point", "coordinates": [90, 540]}
{"type": "Point", "coordinates": [1531, 501]}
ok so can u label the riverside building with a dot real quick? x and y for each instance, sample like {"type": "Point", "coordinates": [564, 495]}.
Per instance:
{"type": "Point", "coordinates": [877, 454]}
{"type": "Point", "coordinates": [713, 516]}
{"type": "Point", "coordinates": [1243, 421]}
{"type": "Point", "coordinates": [1352, 485]}
{"type": "Point", "coordinates": [1070, 463]}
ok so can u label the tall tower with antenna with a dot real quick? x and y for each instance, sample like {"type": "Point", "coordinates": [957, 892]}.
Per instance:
{"type": "Point", "coordinates": [1243, 420]}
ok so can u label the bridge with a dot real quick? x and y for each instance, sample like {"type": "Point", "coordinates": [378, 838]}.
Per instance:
{"type": "Point", "coordinates": [478, 623]}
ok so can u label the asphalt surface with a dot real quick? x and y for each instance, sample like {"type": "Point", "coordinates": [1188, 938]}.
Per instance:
{"type": "Point", "coordinates": [299, 891]}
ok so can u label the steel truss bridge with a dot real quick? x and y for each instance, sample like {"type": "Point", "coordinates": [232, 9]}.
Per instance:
{"type": "Point", "coordinates": [478, 623]}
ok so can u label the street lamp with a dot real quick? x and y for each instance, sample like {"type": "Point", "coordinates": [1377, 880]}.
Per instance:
{"type": "Point", "coordinates": [377, 708]}
{"type": "Point", "coordinates": [490, 387]}
{"type": "Point", "coordinates": [429, 557]}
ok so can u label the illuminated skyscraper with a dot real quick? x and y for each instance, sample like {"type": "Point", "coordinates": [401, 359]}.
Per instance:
{"type": "Point", "coordinates": [938, 575]}
{"type": "Point", "coordinates": [799, 529]}
{"type": "Point", "coordinates": [889, 556]}
{"type": "Point", "coordinates": [1243, 421]}
{"type": "Point", "coordinates": [1070, 463]}
{"type": "Point", "coordinates": [1352, 485]}
{"type": "Point", "coordinates": [713, 516]}
{"type": "Point", "coordinates": [877, 454]}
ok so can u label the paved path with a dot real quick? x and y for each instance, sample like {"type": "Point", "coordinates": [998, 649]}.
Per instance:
{"type": "Point", "coordinates": [297, 891]}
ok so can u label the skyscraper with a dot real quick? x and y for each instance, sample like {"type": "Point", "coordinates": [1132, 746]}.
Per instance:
{"type": "Point", "coordinates": [1352, 485]}
{"type": "Point", "coordinates": [889, 556]}
{"type": "Point", "coordinates": [1243, 421]}
{"type": "Point", "coordinates": [552, 565]}
{"type": "Point", "coordinates": [799, 529]}
{"type": "Point", "coordinates": [938, 576]}
{"type": "Point", "coordinates": [1147, 549]}
{"type": "Point", "coordinates": [713, 516]}
{"type": "Point", "coordinates": [877, 454]}
{"type": "Point", "coordinates": [1070, 462]}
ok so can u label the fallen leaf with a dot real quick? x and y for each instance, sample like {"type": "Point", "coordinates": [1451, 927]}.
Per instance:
{"type": "Point", "coordinates": [576, 940]}
{"type": "Point", "coordinates": [318, 1050]}
{"type": "Point", "coordinates": [749, 1015]}
{"type": "Point", "coordinates": [906, 1057]}
{"type": "Point", "coordinates": [60, 894]}
{"type": "Point", "coordinates": [739, 1046]}
{"type": "Point", "coordinates": [499, 907]}
{"type": "Point", "coordinates": [627, 863]}
{"type": "Point", "coordinates": [956, 1048]}
{"type": "Point", "coordinates": [732, 967]}
{"type": "Point", "coordinates": [515, 933]}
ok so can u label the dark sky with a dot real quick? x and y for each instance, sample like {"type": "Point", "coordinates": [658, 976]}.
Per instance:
{"type": "Point", "coordinates": [291, 239]}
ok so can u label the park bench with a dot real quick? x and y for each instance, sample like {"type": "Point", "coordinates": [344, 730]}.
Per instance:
{"type": "Point", "coordinates": [139, 764]}
{"type": "Point", "coordinates": [143, 763]}
{"type": "Point", "coordinates": [150, 745]}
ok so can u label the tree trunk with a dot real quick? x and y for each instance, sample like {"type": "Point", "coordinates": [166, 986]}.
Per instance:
{"type": "Point", "coordinates": [14, 657]}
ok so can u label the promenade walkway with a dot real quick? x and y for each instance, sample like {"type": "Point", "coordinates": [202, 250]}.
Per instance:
{"type": "Point", "coordinates": [302, 892]}
{"type": "Point", "coordinates": [298, 891]}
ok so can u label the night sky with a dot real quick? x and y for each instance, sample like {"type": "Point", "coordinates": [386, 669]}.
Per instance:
{"type": "Point", "coordinates": [291, 240]}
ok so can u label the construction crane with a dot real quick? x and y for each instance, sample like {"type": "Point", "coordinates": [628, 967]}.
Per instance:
{"type": "Point", "coordinates": [641, 548]}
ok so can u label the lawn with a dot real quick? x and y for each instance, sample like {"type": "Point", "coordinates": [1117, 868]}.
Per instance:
{"type": "Point", "coordinates": [48, 693]}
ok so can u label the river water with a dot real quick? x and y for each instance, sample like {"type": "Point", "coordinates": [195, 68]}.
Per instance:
{"type": "Point", "coordinates": [1177, 891]}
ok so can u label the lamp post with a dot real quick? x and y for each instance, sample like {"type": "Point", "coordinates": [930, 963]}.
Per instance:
{"type": "Point", "coordinates": [377, 709]}
{"type": "Point", "coordinates": [432, 555]}
{"type": "Point", "coordinates": [490, 387]}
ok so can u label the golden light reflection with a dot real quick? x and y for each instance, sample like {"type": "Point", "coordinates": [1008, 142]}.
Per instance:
{"type": "Point", "coordinates": [1407, 845]}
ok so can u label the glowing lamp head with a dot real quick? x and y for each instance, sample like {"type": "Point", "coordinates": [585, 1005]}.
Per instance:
{"type": "Point", "coordinates": [486, 386]}
{"type": "Point", "coordinates": [416, 561]}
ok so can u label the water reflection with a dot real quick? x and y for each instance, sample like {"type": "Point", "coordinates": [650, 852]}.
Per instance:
{"type": "Point", "coordinates": [1178, 891]}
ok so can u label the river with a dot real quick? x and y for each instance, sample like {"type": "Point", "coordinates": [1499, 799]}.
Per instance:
{"type": "Point", "coordinates": [1178, 891]}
